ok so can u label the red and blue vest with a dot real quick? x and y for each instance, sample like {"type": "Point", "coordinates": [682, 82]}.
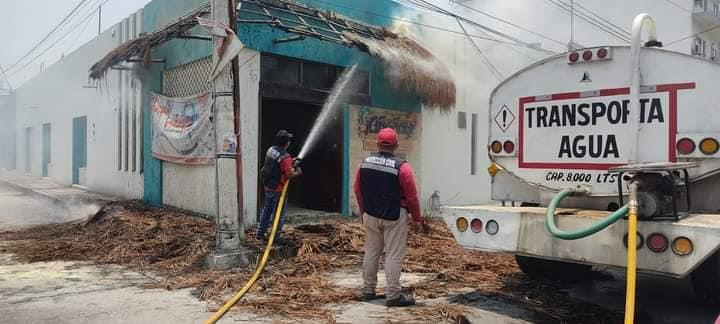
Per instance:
{"type": "Point", "coordinates": [380, 185]}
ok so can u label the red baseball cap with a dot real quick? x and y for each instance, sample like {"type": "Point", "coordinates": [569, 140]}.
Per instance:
{"type": "Point", "coordinates": [387, 137]}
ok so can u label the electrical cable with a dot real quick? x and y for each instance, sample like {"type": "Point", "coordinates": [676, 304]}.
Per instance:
{"type": "Point", "coordinates": [599, 26]}
{"type": "Point", "coordinates": [7, 79]}
{"type": "Point", "coordinates": [496, 73]}
{"type": "Point", "coordinates": [77, 38]}
{"type": "Point", "coordinates": [509, 23]}
{"type": "Point", "coordinates": [590, 20]}
{"type": "Point", "coordinates": [608, 22]}
{"type": "Point", "coordinates": [72, 13]}
{"type": "Point", "coordinates": [425, 25]}
{"type": "Point", "coordinates": [425, 4]}
{"type": "Point", "coordinates": [55, 43]}
{"type": "Point", "coordinates": [675, 4]}
{"type": "Point", "coordinates": [693, 35]}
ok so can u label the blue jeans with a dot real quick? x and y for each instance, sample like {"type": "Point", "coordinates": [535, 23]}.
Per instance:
{"type": "Point", "coordinates": [268, 214]}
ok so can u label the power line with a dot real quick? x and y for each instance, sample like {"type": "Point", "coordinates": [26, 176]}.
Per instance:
{"type": "Point", "coordinates": [678, 6]}
{"type": "Point", "coordinates": [593, 22]}
{"type": "Point", "coordinates": [2, 71]}
{"type": "Point", "coordinates": [693, 35]}
{"type": "Point", "coordinates": [427, 25]}
{"type": "Point", "coordinates": [50, 34]}
{"type": "Point", "coordinates": [77, 38]}
{"type": "Point", "coordinates": [90, 15]}
{"type": "Point", "coordinates": [590, 20]}
{"type": "Point", "coordinates": [495, 72]}
{"type": "Point", "coordinates": [509, 23]}
{"type": "Point", "coordinates": [608, 22]}
{"type": "Point", "coordinates": [427, 5]}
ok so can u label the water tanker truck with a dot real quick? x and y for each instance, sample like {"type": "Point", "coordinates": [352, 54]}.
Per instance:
{"type": "Point", "coordinates": [580, 140]}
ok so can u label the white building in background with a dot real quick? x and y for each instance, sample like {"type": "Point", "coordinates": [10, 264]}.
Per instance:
{"type": "Point", "coordinates": [77, 133]}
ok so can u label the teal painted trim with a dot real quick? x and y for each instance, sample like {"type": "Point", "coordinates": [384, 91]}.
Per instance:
{"type": "Point", "coordinates": [346, 162]}
{"type": "Point", "coordinates": [152, 167]}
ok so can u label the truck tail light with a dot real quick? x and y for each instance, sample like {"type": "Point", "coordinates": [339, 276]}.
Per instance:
{"type": "Point", "coordinates": [476, 225]}
{"type": "Point", "coordinates": [657, 242]}
{"type": "Point", "coordinates": [492, 227]}
{"type": "Point", "coordinates": [462, 224]}
{"type": "Point", "coordinates": [574, 57]}
{"type": "Point", "coordinates": [602, 53]}
{"type": "Point", "coordinates": [682, 246]}
{"type": "Point", "coordinates": [509, 147]}
{"type": "Point", "coordinates": [496, 147]}
{"type": "Point", "coordinates": [685, 146]}
{"type": "Point", "coordinates": [587, 55]}
{"type": "Point", "coordinates": [709, 146]}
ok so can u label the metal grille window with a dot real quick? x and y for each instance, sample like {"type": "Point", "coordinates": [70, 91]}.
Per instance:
{"type": "Point", "coordinates": [188, 79]}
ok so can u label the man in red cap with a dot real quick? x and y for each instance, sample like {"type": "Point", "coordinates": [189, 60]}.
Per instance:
{"type": "Point", "coordinates": [385, 191]}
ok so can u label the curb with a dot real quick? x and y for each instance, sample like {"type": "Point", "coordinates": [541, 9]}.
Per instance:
{"type": "Point", "coordinates": [29, 190]}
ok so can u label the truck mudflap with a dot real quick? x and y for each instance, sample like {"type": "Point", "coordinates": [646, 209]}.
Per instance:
{"type": "Point", "coordinates": [521, 230]}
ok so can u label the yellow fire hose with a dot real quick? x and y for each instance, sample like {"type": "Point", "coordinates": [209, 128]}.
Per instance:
{"type": "Point", "coordinates": [631, 256]}
{"type": "Point", "coordinates": [631, 210]}
{"type": "Point", "coordinates": [261, 265]}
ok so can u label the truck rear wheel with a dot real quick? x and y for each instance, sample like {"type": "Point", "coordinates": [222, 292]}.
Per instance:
{"type": "Point", "coordinates": [706, 281]}
{"type": "Point", "coordinates": [550, 269]}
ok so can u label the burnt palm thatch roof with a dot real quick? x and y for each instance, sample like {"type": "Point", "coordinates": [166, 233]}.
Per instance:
{"type": "Point", "coordinates": [141, 46]}
{"type": "Point", "coordinates": [408, 65]}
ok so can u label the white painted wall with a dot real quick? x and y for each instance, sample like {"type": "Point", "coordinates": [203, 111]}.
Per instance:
{"type": "Point", "coordinates": [61, 93]}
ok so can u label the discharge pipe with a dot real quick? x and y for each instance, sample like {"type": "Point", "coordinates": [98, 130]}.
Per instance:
{"type": "Point", "coordinates": [642, 22]}
{"type": "Point", "coordinates": [261, 265]}
{"type": "Point", "coordinates": [580, 233]}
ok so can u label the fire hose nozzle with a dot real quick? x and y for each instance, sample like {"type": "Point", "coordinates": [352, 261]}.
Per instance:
{"type": "Point", "coordinates": [297, 162]}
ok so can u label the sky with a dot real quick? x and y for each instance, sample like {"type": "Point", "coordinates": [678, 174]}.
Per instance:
{"type": "Point", "coordinates": [24, 23]}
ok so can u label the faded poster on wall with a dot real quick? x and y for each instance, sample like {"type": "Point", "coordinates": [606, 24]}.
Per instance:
{"type": "Point", "coordinates": [183, 131]}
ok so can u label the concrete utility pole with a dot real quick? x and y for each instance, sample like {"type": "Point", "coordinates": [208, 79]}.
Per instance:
{"type": "Point", "coordinates": [229, 252]}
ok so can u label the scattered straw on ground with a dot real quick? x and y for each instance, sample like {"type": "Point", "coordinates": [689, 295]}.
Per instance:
{"type": "Point", "coordinates": [173, 246]}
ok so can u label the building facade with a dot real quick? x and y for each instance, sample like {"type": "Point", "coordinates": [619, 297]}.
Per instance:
{"type": "Point", "coordinates": [285, 79]}
{"type": "Point", "coordinates": [82, 133]}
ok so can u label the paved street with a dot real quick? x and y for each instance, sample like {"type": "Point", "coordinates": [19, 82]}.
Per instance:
{"type": "Point", "coordinates": [73, 292]}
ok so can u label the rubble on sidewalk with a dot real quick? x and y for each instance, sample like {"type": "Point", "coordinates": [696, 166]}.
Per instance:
{"type": "Point", "coordinates": [172, 245]}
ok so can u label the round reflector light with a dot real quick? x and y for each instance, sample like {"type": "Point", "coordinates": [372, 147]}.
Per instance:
{"type": "Point", "coordinates": [574, 57]}
{"type": "Point", "coordinates": [462, 224]}
{"type": "Point", "coordinates": [476, 225]}
{"type": "Point", "coordinates": [640, 240]}
{"type": "Point", "coordinates": [709, 146]}
{"type": "Point", "coordinates": [496, 147]}
{"type": "Point", "coordinates": [685, 146]}
{"type": "Point", "coordinates": [682, 246]}
{"type": "Point", "coordinates": [657, 242]}
{"type": "Point", "coordinates": [492, 227]}
{"type": "Point", "coordinates": [587, 55]}
{"type": "Point", "coordinates": [602, 53]}
{"type": "Point", "coordinates": [509, 147]}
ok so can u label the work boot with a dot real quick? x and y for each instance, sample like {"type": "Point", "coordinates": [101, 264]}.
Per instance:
{"type": "Point", "coordinates": [402, 301]}
{"type": "Point", "coordinates": [369, 296]}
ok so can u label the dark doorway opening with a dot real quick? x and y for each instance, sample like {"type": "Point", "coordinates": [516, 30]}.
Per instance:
{"type": "Point", "coordinates": [320, 187]}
